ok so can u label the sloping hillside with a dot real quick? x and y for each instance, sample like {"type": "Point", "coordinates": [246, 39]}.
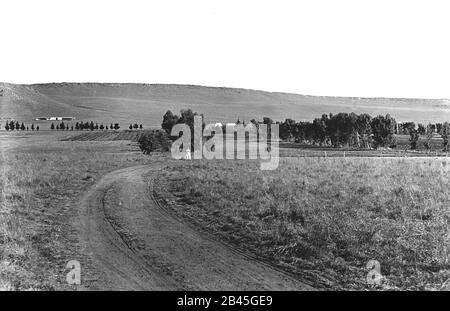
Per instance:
{"type": "Point", "coordinates": [141, 103]}
{"type": "Point", "coordinates": [24, 103]}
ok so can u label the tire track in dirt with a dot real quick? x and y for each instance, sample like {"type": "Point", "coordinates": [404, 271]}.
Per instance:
{"type": "Point", "coordinates": [135, 243]}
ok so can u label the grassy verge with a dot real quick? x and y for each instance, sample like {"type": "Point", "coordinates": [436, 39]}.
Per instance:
{"type": "Point", "coordinates": [326, 218]}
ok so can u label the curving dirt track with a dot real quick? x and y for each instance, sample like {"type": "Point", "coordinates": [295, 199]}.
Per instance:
{"type": "Point", "coordinates": [133, 243]}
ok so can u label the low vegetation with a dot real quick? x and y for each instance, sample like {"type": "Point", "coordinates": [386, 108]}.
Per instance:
{"type": "Point", "coordinates": [41, 182]}
{"type": "Point", "coordinates": [154, 141]}
{"type": "Point", "coordinates": [325, 218]}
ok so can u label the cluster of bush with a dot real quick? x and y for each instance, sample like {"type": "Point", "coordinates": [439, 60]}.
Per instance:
{"type": "Point", "coordinates": [80, 126]}
{"type": "Point", "coordinates": [154, 141]}
{"type": "Point", "coordinates": [15, 125]}
{"type": "Point", "coordinates": [135, 126]}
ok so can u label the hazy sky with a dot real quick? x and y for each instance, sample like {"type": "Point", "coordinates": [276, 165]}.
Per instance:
{"type": "Point", "coordinates": [319, 47]}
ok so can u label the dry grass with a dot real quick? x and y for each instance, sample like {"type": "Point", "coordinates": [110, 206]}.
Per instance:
{"type": "Point", "coordinates": [326, 218]}
{"type": "Point", "coordinates": [41, 181]}
{"type": "Point", "coordinates": [321, 218]}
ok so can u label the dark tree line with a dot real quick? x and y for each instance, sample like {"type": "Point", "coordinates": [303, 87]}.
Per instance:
{"type": "Point", "coordinates": [80, 126]}
{"type": "Point", "coordinates": [361, 131]}
{"type": "Point", "coordinates": [15, 125]}
{"type": "Point", "coordinates": [135, 126]}
{"type": "Point", "coordinates": [342, 129]}
{"type": "Point", "coordinates": [409, 128]}
{"type": "Point", "coordinates": [330, 130]}
{"type": "Point", "coordinates": [338, 130]}
{"type": "Point", "coordinates": [186, 117]}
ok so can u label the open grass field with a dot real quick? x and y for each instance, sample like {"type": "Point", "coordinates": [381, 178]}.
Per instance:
{"type": "Point", "coordinates": [41, 180]}
{"type": "Point", "coordinates": [325, 218]}
{"type": "Point", "coordinates": [319, 218]}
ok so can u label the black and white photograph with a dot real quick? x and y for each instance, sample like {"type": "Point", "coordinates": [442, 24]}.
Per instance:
{"type": "Point", "coordinates": [224, 151]}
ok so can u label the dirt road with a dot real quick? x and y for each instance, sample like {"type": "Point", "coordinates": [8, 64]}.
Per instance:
{"type": "Point", "coordinates": [133, 243]}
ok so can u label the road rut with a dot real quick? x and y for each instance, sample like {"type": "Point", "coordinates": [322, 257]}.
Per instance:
{"type": "Point", "coordinates": [134, 243]}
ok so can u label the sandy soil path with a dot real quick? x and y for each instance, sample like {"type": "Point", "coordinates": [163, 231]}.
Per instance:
{"type": "Point", "coordinates": [134, 243]}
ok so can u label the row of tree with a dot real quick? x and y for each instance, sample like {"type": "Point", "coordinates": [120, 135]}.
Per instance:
{"type": "Point", "coordinates": [343, 129]}
{"type": "Point", "coordinates": [79, 126]}
{"type": "Point", "coordinates": [135, 126]}
{"type": "Point", "coordinates": [337, 130]}
{"type": "Point", "coordinates": [15, 125]}
{"type": "Point", "coordinates": [406, 128]}
{"type": "Point", "coordinates": [362, 130]}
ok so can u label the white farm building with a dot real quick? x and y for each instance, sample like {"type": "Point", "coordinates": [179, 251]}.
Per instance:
{"type": "Point", "coordinates": [55, 119]}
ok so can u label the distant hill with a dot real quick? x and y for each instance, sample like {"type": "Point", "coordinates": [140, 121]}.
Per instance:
{"type": "Point", "coordinates": [146, 103]}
